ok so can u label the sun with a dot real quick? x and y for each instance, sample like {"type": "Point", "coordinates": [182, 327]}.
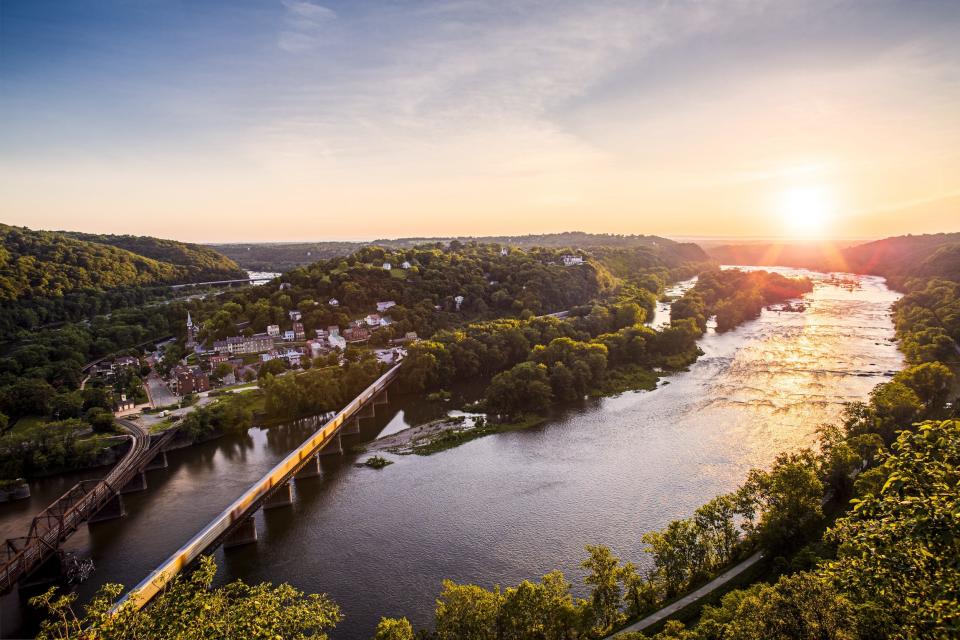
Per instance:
{"type": "Point", "coordinates": [806, 211]}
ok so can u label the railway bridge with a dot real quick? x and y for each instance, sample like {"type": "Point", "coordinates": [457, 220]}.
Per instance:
{"type": "Point", "coordinates": [235, 525]}
{"type": "Point", "coordinates": [37, 558]}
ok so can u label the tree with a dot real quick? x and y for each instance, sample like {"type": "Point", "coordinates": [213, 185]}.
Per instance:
{"type": "Point", "coordinates": [192, 609]}
{"type": "Point", "coordinates": [897, 549]}
{"type": "Point", "coordinates": [394, 629]}
{"type": "Point", "coordinates": [525, 387]}
{"type": "Point", "coordinates": [790, 495]}
{"type": "Point", "coordinates": [272, 368]}
{"type": "Point", "coordinates": [467, 612]}
{"type": "Point", "coordinates": [101, 420]}
{"type": "Point", "coordinates": [538, 610]}
{"type": "Point", "coordinates": [640, 594]}
{"type": "Point", "coordinates": [931, 381]}
{"type": "Point", "coordinates": [606, 595]}
{"type": "Point", "coordinates": [796, 607]}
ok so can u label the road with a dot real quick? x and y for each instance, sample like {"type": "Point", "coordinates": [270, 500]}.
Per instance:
{"type": "Point", "coordinates": [693, 596]}
{"type": "Point", "coordinates": [159, 394]}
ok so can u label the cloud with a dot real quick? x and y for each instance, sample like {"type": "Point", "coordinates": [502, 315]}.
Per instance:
{"type": "Point", "coordinates": [305, 23]}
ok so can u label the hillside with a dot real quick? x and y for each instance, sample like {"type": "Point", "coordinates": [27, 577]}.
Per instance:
{"type": "Point", "coordinates": [896, 258]}
{"type": "Point", "coordinates": [50, 264]}
{"type": "Point", "coordinates": [289, 255]}
{"type": "Point", "coordinates": [197, 262]}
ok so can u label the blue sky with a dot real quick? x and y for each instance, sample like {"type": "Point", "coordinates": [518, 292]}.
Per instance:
{"type": "Point", "coordinates": [215, 120]}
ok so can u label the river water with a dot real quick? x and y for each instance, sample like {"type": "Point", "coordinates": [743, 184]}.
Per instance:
{"type": "Point", "coordinates": [515, 505]}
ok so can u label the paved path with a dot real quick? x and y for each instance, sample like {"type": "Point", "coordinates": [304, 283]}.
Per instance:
{"type": "Point", "coordinates": [693, 596]}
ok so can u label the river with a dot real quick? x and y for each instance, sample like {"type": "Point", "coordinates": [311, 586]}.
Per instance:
{"type": "Point", "coordinates": [514, 505]}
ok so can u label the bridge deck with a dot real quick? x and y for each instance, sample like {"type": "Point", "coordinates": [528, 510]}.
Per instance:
{"type": "Point", "coordinates": [244, 506]}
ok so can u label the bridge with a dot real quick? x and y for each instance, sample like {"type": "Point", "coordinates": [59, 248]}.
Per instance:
{"type": "Point", "coordinates": [217, 282]}
{"type": "Point", "coordinates": [37, 558]}
{"type": "Point", "coordinates": [235, 525]}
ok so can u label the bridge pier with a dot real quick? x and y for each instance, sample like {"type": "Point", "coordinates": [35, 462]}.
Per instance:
{"type": "Point", "coordinates": [334, 447]}
{"type": "Point", "coordinates": [367, 411]}
{"type": "Point", "coordinates": [112, 510]}
{"type": "Point", "coordinates": [159, 462]}
{"type": "Point", "coordinates": [281, 497]}
{"type": "Point", "coordinates": [351, 428]}
{"type": "Point", "coordinates": [137, 483]}
{"type": "Point", "coordinates": [381, 398]}
{"type": "Point", "coordinates": [309, 470]}
{"type": "Point", "coordinates": [245, 533]}
{"type": "Point", "coordinates": [49, 573]}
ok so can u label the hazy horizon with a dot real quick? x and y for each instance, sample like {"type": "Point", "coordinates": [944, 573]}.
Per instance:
{"type": "Point", "coordinates": [277, 120]}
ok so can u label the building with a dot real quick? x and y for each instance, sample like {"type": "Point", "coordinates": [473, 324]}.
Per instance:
{"type": "Point", "coordinates": [387, 266]}
{"type": "Point", "coordinates": [333, 302]}
{"type": "Point", "coordinates": [188, 380]}
{"type": "Point", "coordinates": [317, 348]}
{"type": "Point", "coordinates": [321, 334]}
{"type": "Point", "coordinates": [292, 356]}
{"type": "Point", "coordinates": [298, 331]}
{"type": "Point", "coordinates": [409, 336]}
{"type": "Point", "coordinates": [337, 341]}
{"type": "Point", "coordinates": [218, 358]}
{"type": "Point", "coordinates": [373, 320]}
{"type": "Point", "coordinates": [192, 331]}
{"type": "Point", "coordinates": [238, 345]}
{"type": "Point", "coordinates": [386, 304]}
{"type": "Point", "coordinates": [273, 330]}
{"type": "Point", "coordinates": [570, 260]}
{"type": "Point", "coordinates": [285, 286]}
{"type": "Point", "coordinates": [356, 334]}
{"type": "Point", "coordinates": [458, 300]}
{"type": "Point", "coordinates": [504, 251]}
{"type": "Point", "coordinates": [289, 336]}
{"type": "Point", "coordinates": [295, 315]}
{"type": "Point", "coordinates": [406, 265]}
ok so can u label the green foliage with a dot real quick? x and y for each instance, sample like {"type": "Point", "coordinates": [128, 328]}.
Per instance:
{"type": "Point", "coordinates": [192, 609]}
{"type": "Point", "coordinates": [735, 296]}
{"type": "Point", "coordinates": [394, 629]}
{"type": "Point", "coordinates": [898, 549]}
{"type": "Point", "coordinates": [606, 596]}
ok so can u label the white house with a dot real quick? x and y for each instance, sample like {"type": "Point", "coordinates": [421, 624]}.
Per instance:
{"type": "Point", "coordinates": [294, 315]}
{"type": "Point", "coordinates": [289, 336]}
{"type": "Point", "coordinates": [373, 320]}
{"type": "Point", "coordinates": [333, 302]}
{"type": "Point", "coordinates": [570, 260]}
{"type": "Point", "coordinates": [405, 265]}
{"type": "Point", "coordinates": [504, 251]}
{"type": "Point", "coordinates": [273, 330]}
{"type": "Point", "coordinates": [386, 304]}
{"type": "Point", "coordinates": [459, 301]}
{"type": "Point", "coordinates": [387, 266]}
{"type": "Point", "coordinates": [337, 341]}
{"type": "Point", "coordinates": [386, 321]}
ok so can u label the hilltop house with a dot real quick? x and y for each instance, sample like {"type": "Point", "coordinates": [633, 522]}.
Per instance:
{"type": "Point", "coordinates": [298, 332]}
{"type": "Point", "coordinates": [333, 302]}
{"type": "Point", "coordinates": [570, 260]}
{"type": "Point", "coordinates": [386, 304]}
{"type": "Point", "coordinates": [189, 380]}
{"type": "Point", "coordinates": [405, 265]}
{"type": "Point", "coordinates": [387, 266]}
{"type": "Point", "coordinates": [273, 330]}
{"type": "Point", "coordinates": [295, 315]}
{"type": "Point", "coordinates": [289, 336]}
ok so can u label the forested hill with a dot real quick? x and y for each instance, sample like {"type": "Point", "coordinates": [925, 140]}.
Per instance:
{"type": "Point", "coordinates": [50, 264]}
{"type": "Point", "coordinates": [897, 258]}
{"type": "Point", "coordinates": [656, 251]}
{"type": "Point", "coordinates": [199, 262]}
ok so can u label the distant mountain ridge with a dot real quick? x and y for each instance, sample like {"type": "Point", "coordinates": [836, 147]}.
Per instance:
{"type": "Point", "coordinates": [289, 255]}
{"type": "Point", "coordinates": [51, 264]}
{"type": "Point", "coordinates": [896, 258]}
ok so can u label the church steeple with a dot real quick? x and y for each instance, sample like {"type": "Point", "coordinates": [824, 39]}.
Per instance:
{"type": "Point", "coordinates": [189, 321]}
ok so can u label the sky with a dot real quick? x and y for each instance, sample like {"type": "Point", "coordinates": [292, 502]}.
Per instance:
{"type": "Point", "coordinates": [270, 120]}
